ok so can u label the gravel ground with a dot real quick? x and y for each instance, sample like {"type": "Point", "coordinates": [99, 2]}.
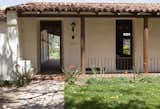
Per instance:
{"type": "Point", "coordinates": [48, 94]}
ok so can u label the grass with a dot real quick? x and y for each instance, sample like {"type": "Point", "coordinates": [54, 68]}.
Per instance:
{"type": "Point", "coordinates": [115, 93]}
{"type": "Point", "coordinates": [55, 54]}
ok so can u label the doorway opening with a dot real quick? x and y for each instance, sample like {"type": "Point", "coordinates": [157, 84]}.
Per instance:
{"type": "Point", "coordinates": [124, 55]}
{"type": "Point", "coordinates": [51, 47]}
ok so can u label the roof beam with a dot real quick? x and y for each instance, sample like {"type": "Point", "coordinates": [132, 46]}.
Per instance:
{"type": "Point", "coordinates": [86, 14]}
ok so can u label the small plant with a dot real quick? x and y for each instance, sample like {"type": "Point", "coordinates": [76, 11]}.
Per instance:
{"type": "Point", "coordinates": [22, 77]}
{"type": "Point", "coordinates": [91, 80]}
{"type": "Point", "coordinates": [72, 74]}
{"type": "Point", "coordinates": [136, 73]}
{"type": "Point", "coordinates": [94, 71]}
{"type": "Point", "coordinates": [4, 83]}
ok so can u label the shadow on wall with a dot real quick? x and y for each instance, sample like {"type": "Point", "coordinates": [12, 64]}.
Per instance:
{"type": "Point", "coordinates": [6, 55]}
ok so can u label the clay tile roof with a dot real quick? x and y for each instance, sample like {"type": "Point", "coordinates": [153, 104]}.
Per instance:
{"type": "Point", "coordinates": [86, 7]}
{"type": "Point", "coordinates": [2, 15]}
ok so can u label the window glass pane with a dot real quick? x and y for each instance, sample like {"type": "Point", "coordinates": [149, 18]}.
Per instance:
{"type": "Point", "coordinates": [126, 46]}
{"type": "Point", "coordinates": [126, 34]}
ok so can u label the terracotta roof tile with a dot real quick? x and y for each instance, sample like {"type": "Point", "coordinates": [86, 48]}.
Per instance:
{"type": "Point", "coordinates": [87, 7]}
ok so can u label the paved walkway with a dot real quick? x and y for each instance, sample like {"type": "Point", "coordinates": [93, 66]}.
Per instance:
{"type": "Point", "coordinates": [48, 94]}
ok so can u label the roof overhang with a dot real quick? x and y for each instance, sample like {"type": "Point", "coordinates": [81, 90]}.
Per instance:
{"type": "Point", "coordinates": [50, 9]}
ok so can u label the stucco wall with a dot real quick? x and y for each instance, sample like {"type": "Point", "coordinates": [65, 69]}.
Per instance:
{"type": "Point", "coordinates": [102, 38]}
{"type": "Point", "coordinates": [29, 41]}
{"type": "Point", "coordinates": [100, 41]}
{"type": "Point", "coordinates": [154, 44]}
{"type": "Point", "coordinates": [3, 57]}
{"type": "Point", "coordinates": [2, 27]}
{"type": "Point", "coordinates": [30, 34]}
{"type": "Point", "coordinates": [71, 47]}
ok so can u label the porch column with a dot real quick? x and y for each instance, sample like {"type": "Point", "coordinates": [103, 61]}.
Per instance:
{"type": "Point", "coordinates": [145, 45]}
{"type": "Point", "coordinates": [83, 51]}
{"type": "Point", "coordinates": [12, 41]}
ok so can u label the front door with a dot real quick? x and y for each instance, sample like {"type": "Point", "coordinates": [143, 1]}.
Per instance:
{"type": "Point", "coordinates": [124, 56]}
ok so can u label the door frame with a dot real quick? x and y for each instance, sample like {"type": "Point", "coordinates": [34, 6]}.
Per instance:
{"type": "Point", "coordinates": [61, 43]}
{"type": "Point", "coordinates": [132, 45]}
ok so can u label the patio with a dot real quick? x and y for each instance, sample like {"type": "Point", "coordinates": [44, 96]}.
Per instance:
{"type": "Point", "coordinates": [47, 94]}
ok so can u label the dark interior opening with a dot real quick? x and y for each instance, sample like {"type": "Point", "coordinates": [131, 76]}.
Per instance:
{"type": "Point", "coordinates": [51, 48]}
{"type": "Point", "coordinates": [124, 55]}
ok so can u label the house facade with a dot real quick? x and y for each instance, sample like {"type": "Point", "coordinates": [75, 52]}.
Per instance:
{"type": "Point", "coordinates": [106, 37]}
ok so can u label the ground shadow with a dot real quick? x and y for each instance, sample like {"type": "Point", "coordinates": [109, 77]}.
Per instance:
{"type": "Point", "coordinates": [38, 106]}
{"type": "Point", "coordinates": [97, 103]}
{"type": "Point", "coordinates": [4, 100]}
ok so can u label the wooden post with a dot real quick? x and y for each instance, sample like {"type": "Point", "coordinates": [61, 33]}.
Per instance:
{"type": "Point", "coordinates": [145, 45]}
{"type": "Point", "coordinates": [83, 51]}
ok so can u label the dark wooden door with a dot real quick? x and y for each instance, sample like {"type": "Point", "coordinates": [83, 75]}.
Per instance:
{"type": "Point", "coordinates": [124, 56]}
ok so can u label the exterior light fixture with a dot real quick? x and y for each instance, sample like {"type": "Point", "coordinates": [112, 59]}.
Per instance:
{"type": "Point", "coordinates": [73, 24]}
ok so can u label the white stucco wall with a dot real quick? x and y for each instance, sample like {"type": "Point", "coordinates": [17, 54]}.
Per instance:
{"type": "Point", "coordinates": [9, 46]}
{"type": "Point", "coordinates": [100, 41]}
{"type": "Point", "coordinates": [154, 44]}
{"type": "Point", "coordinates": [30, 34]}
{"type": "Point", "coordinates": [29, 40]}
{"type": "Point", "coordinates": [71, 46]}
{"type": "Point", "coordinates": [138, 44]}
{"type": "Point", "coordinates": [3, 46]}
{"type": "Point", "coordinates": [3, 27]}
